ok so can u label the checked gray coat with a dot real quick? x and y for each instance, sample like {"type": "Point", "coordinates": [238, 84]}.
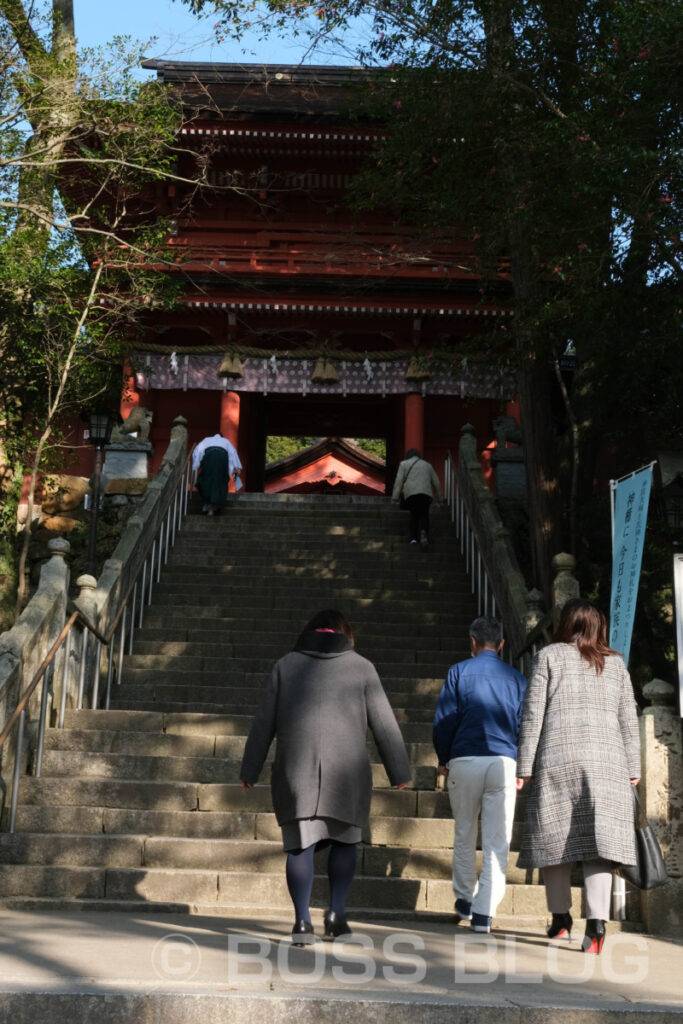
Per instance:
{"type": "Point", "coordinates": [579, 739]}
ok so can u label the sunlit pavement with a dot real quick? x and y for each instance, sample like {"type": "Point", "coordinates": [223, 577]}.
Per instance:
{"type": "Point", "coordinates": [147, 967]}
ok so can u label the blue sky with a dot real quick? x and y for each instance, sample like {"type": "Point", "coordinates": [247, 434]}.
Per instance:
{"type": "Point", "coordinates": [180, 35]}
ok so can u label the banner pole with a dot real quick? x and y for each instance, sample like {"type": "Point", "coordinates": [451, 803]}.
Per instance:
{"type": "Point", "coordinates": [618, 884]}
{"type": "Point", "coordinates": [648, 465]}
{"type": "Point", "coordinates": [612, 500]}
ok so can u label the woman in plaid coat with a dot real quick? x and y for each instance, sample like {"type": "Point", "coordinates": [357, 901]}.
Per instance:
{"type": "Point", "coordinates": [579, 745]}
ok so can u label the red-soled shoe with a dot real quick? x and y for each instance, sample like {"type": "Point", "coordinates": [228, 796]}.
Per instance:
{"type": "Point", "coordinates": [560, 928]}
{"type": "Point", "coordinates": [594, 939]}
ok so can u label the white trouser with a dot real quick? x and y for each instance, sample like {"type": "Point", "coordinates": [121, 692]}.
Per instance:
{"type": "Point", "coordinates": [486, 785]}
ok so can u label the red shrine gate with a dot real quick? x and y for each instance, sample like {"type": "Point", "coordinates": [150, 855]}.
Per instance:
{"type": "Point", "coordinates": [298, 318]}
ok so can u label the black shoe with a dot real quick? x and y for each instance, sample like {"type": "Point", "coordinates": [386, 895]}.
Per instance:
{"type": "Point", "coordinates": [594, 938]}
{"type": "Point", "coordinates": [303, 934]}
{"type": "Point", "coordinates": [335, 926]}
{"type": "Point", "coordinates": [560, 927]}
{"type": "Point", "coordinates": [463, 910]}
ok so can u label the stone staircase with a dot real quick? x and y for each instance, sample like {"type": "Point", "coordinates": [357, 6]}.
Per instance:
{"type": "Point", "coordinates": [140, 807]}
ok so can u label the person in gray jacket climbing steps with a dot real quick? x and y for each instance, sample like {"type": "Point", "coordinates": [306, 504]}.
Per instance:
{"type": "Point", "coordinates": [415, 485]}
{"type": "Point", "coordinates": [317, 705]}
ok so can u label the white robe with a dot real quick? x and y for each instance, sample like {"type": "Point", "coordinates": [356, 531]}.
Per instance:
{"type": "Point", "coordinates": [217, 441]}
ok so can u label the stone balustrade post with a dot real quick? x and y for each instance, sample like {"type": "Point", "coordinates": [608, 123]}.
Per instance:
{"type": "Point", "coordinates": [87, 604]}
{"type": "Point", "coordinates": [565, 585]}
{"type": "Point", "coordinates": [534, 606]}
{"type": "Point", "coordinates": [662, 790]}
{"type": "Point", "coordinates": [468, 440]}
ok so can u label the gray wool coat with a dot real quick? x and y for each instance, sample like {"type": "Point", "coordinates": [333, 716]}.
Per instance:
{"type": "Point", "coordinates": [318, 707]}
{"type": "Point", "coordinates": [579, 739]}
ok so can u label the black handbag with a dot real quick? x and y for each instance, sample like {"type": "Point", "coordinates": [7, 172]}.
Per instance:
{"type": "Point", "coordinates": [649, 872]}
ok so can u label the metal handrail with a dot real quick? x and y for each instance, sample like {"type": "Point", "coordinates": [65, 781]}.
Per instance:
{"type": "Point", "coordinates": [482, 587]}
{"type": "Point", "coordinates": [475, 566]}
{"type": "Point", "coordinates": [159, 547]}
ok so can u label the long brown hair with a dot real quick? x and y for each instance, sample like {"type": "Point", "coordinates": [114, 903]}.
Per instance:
{"type": "Point", "coordinates": [583, 624]}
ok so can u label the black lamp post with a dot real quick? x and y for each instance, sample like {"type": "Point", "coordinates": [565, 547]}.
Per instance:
{"type": "Point", "coordinates": [101, 425]}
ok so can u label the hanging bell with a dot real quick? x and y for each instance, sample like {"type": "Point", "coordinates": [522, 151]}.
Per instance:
{"type": "Point", "coordinates": [417, 371]}
{"type": "Point", "coordinates": [325, 372]}
{"type": "Point", "coordinates": [231, 367]}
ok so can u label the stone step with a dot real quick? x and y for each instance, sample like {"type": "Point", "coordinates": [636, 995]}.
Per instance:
{"type": "Point", "coordinates": [302, 602]}
{"type": "Point", "coordinates": [247, 888]}
{"type": "Point", "coordinates": [406, 834]}
{"type": "Point", "coordinates": [352, 523]}
{"type": "Point", "coordinates": [227, 651]}
{"type": "Point", "coordinates": [182, 722]}
{"type": "Point", "coordinates": [245, 702]}
{"type": "Point", "coordinates": [168, 745]}
{"type": "Point", "coordinates": [451, 640]}
{"type": "Point", "coordinates": [220, 798]}
{"type": "Point", "coordinates": [183, 796]}
{"type": "Point", "coordinates": [239, 725]}
{"type": "Point", "coordinates": [270, 594]}
{"type": "Point", "coordinates": [366, 569]}
{"type": "Point", "coordinates": [388, 552]}
{"type": "Point", "coordinates": [78, 765]}
{"type": "Point", "coordinates": [110, 850]}
{"type": "Point", "coordinates": [442, 555]}
{"type": "Point", "coordinates": [192, 666]}
{"type": "Point", "coordinates": [252, 683]}
{"type": "Point", "coordinates": [360, 573]}
{"type": "Point", "coordinates": [271, 524]}
{"type": "Point", "coordinates": [177, 707]}
{"type": "Point", "coordinates": [423, 622]}
{"type": "Point", "coordinates": [237, 648]}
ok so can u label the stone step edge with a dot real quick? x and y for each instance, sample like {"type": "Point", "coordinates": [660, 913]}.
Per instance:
{"type": "Point", "coordinates": [242, 912]}
{"type": "Point", "coordinates": [204, 840]}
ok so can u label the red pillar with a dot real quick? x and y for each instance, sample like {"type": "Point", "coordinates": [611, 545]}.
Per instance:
{"type": "Point", "coordinates": [414, 429]}
{"type": "Point", "coordinates": [230, 420]}
{"type": "Point", "coordinates": [230, 416]}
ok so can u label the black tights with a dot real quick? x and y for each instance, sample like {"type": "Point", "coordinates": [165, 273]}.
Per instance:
{"type": "Point", "coordinates": [341, 866]}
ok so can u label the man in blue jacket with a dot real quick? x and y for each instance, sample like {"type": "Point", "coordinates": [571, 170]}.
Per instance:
{"type": "Point", "coordinates": [476, 727]}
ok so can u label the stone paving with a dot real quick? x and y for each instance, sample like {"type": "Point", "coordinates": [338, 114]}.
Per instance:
{"type": "Point", "coordinates": [79, 967]}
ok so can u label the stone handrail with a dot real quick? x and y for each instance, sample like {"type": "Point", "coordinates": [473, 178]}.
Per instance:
{"type": "Point", "coordinates": [121, 569]}
{"type": "Point", "coordinates": [24, 647]}
{"type": "Point", "coordinates": [519, 609]}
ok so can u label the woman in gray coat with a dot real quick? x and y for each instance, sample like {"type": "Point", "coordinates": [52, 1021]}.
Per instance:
{"type": "Point", "coordinates": [579, 745]}
{"type": "Point", "coordinates": [318, 704]}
